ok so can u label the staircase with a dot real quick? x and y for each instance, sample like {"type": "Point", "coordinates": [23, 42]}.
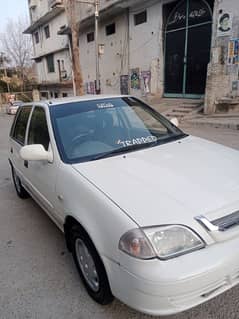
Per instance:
{"type": "Point", "coordinates": [182, 109]}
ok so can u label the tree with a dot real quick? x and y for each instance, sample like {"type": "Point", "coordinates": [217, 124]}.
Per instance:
{"type": "Point", "coordinates": [17, 46]}
{"type": "Point", "coordinates": [70, 7]}
{"type": "Point", "coordinates": [3, 70]}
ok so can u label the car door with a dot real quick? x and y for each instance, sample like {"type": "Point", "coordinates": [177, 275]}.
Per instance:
{"type": "Point", "coordinates": [41, 175]}
{"type": "Point", "coordinates": [17, 139]}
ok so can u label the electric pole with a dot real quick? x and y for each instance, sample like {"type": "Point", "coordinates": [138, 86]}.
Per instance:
{"type": "Point", "coordinates": [70, 8]}
{"type": "Point", "coordinates": [97, 2]}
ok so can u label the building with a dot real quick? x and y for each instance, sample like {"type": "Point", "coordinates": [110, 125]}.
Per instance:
{"type": "Point", "coordinates": [51, 51]}
{"type": "Point", "coordinates": [183, 48]}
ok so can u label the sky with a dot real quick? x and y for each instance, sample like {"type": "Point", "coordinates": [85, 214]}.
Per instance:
{"type": "Point", "coordinates": [10, 9]}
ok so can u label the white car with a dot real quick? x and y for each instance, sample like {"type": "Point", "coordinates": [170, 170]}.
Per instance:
{"type": "Point", "coordinates": [13, 107]}
{"type": "Point", "coordinates": [150, 214]}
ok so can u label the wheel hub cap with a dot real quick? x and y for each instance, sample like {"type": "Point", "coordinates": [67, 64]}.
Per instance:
{"type": "Point", "coordinates": [87, 265]}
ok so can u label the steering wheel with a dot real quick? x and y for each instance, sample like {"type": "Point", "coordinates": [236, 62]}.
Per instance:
{"type": "Point", "coordinates": [76, 141]}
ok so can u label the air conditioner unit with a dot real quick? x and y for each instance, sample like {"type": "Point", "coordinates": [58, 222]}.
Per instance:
{"type": "Point", "coordinates": [55, 3]}
{"type": "Point", "coordinates": [33, 4]}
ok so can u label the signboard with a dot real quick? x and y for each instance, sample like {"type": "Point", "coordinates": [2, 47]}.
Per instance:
{"type": "Point", "coordinates": [224, 24]}
{"type": "Point", "coordinates": [90, 87]}
{"type": "Point", "coordinates": [145, 77]}
{"type": "Point", "coordinates": [233, 52]}
{"type": "Point", "coordinates": [124, 87]}
{"type": "Point", "coordinates": [135, 79]}
{"type": "Point", "coordinates": [235, 85]}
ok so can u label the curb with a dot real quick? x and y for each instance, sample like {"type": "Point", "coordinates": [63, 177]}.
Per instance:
{"type": "Point", "coordinates": [231, 126]}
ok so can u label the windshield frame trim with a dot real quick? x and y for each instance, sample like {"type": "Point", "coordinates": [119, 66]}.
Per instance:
{"type": "Point", "coordinates": [90, 158]}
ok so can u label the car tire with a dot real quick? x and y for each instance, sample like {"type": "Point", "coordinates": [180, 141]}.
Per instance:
{"type": "Point", "coordinates": [21, 192]}
{"type": "Point", "coordinates": [90, 267]}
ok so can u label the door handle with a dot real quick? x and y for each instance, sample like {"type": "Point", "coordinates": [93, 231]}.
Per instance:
{"type": "Point", "coordinates": [11, 150]}
{"type": "Point", "coordinates": [26, 164]}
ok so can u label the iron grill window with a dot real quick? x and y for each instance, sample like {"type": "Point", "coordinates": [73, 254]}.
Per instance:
{"type": "Point", "coordinates": [140, 18]}
{"type": "Point", "coordinates": [50, 63]}
{"type": "Point", "coordinates": [47, 31]}
{"type": "Point", "coordinates": [38, 60]}
{"type": "Point", "coordinates": [90, 37]}
{"type": "Point", "coordinates": [110, 29]}
{"type": "Point", "coordinates": [36, 35]}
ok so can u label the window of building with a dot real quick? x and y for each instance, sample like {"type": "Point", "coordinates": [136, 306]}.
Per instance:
{"type": "Point", "coordinates": [140, 18]}
{"type": "Point", "coordinates": [47, 31]}
{"type": "Point", "coordinates": [64, 94]}
{"type": "Point", "coordinates": [36, 35]}
{"type": "Point", "coordinates": [44, 95]}
{"type": "Point", "coordinates": [38, 60]}
{"type": "Point", "coordinates": [90, 37]}
{"type": "Point", "coordinates": [21, 123]}
{"type": "Point", "coordinates": [50, 63]}
{"type": "Point", "coordinates": [38, 130]}
{"type": "Point", "coordinates": [110, 29]}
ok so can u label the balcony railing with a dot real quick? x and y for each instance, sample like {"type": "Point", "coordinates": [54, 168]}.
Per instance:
{"type": "Point", "coordinates": [54, 3]}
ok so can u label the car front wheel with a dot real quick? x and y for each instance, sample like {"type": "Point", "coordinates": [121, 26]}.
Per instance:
{"type": "Point", "coordinates": [21, 192]}
{"type": "Point", "coordinates": [90, 267]}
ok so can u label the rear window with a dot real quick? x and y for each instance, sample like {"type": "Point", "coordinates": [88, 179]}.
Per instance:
{"type": "Point", "coordinates": [18, 132]}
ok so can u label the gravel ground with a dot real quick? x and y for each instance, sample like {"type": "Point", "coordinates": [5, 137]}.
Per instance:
{"type": "Point", "coordinates": [37, 276]}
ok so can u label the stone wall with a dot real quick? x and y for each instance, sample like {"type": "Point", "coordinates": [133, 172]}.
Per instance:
{"type": "Point", "coordinates": [222, 77]}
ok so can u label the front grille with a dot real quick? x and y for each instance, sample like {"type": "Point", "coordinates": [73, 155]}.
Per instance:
{"type": "Point", "coordinates": [227, 222]}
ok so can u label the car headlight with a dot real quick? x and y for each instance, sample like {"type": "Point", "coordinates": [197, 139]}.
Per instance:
{"type": "Point", "coordinates": [163, 242]}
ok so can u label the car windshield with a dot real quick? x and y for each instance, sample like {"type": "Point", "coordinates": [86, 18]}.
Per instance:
{"type": "Point", "coordinates": [94, 129]}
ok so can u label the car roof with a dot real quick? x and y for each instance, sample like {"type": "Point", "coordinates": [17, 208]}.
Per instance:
{"type": "Point", "coordinates": [59, 101]}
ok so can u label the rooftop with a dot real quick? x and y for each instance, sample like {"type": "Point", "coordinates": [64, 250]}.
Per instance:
{"type": "Point", "coordinates": [44, 19]}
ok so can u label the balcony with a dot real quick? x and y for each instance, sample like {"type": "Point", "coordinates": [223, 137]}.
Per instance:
{"type": "Point", "coordinates": [55, 3]}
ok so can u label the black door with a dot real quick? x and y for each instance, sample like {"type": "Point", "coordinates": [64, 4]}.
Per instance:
{"type": "Point", "coordinates": [187, 48]}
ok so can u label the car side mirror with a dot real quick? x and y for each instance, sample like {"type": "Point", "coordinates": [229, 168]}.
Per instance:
{"type": "Point", "coordinates": [36, 152]}
{"type": "Point", "coordinates": [175, 121]}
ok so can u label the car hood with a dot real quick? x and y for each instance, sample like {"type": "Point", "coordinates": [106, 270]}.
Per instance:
{"type": "Point", "coordinates": [170, 183]}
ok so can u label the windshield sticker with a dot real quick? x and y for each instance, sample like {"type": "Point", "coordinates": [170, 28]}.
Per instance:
{"type": "Point", "coordinates": [104, 105]}
{"type": "Point", "coordinates": [138, 141]}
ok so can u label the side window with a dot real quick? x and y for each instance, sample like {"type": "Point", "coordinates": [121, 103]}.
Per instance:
{"type": "Point", "coordinates": [50, 63]}
{"type": "Point", "coordinates": [38, 130]}
{"type": "Point", "coordinates": [19, 130]}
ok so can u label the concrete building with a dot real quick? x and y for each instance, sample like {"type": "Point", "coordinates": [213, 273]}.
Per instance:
{"type": "Point", "coordinates": [51, 51]}
{"type": "Point", "coordinates": [171, 48]}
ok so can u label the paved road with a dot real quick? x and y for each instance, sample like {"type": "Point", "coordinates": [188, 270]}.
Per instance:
{"type": "Point", "coordinates": [37, 276]}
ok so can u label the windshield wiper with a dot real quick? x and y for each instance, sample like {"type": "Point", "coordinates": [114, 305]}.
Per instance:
{"type": "Point", "coordinates": [125, 149]}
{"type": "Point", "coordinates": [136, 147]}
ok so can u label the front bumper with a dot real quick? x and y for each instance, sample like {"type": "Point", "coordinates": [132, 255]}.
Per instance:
{"type": "Point", "coordinates": [167, 287]}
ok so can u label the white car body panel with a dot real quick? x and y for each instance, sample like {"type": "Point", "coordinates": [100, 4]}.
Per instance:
{"type": "Point", "coordinates": [154, 184]}
{"type": "Point", "coordinates": [101, 218]}
{"type": "Point", "coordinates": [168, 184]}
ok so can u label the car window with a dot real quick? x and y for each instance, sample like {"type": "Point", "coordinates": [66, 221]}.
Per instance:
{"type": "Point", "coordinates": [38, 130]}
{"type": "Point", "coordinates": [20, 126]}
